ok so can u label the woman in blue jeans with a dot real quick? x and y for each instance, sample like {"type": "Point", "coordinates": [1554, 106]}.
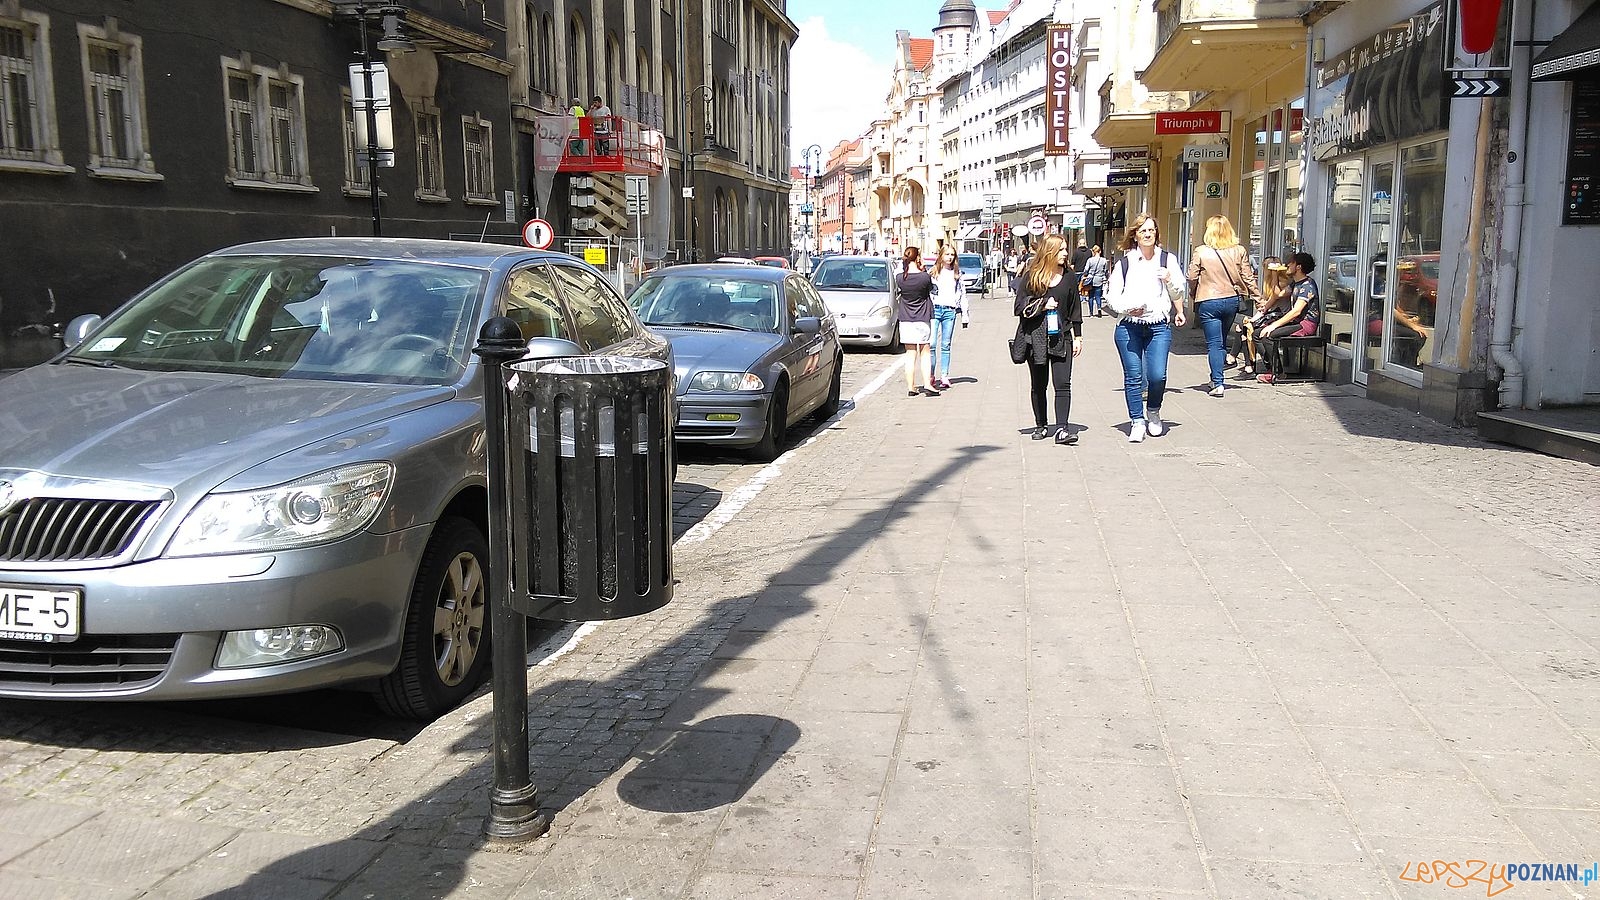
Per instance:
{"type": "Point", "coordinates": [949, 300]}
{"type": "Point", "coordinates": [1145, 291]}
{"type": "Point", "coordinates": [1222, 282]}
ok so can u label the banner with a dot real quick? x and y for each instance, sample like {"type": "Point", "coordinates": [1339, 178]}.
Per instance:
{"type": "Point", "coordinates": [1058, 89]}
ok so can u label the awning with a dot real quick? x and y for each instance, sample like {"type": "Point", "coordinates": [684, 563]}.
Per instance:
{"type": "Point", "coordinates": [969, 232]}
{"type": "Point", "coordinates": [1126, 130]}
{"type": "Point", "coordinates": [1573, 50]}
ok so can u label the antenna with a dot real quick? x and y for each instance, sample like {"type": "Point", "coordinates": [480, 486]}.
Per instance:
{"type": "Point", "coordinates": [484, 236]}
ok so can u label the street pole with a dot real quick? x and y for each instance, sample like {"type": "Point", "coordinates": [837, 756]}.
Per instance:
{"type": "Point", "coordinates": [372, 124]}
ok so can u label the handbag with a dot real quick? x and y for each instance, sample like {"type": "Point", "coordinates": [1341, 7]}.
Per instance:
{"type": "Point", "coordinates": [1019, 347]}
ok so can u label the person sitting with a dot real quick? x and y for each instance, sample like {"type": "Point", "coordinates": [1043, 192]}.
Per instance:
{"type": "Point", "coordinates": [1271, 303]}
{"type": "Point", "coordinates": [1303, 318]}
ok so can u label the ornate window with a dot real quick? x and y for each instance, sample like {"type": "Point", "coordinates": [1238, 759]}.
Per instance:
{"type": "Point", "coordinates": [28, 141]}
{"type": "Point", "coordinates": [477, 156]}
{"type": "Point", "coordinates": [430, 155]}
{"type": "Point", "coordinates": [266, 127]}
{"type": "Point", "coordinates": [113, 79]}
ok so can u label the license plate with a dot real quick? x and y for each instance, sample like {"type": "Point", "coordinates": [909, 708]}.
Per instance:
{"type": "Point", "coordinates": [849, 329]}
{"type": "Point", "coordinates": [45, 614]}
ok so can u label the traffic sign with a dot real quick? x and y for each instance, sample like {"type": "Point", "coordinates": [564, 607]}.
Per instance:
{"type": "Point", "coordinates": [638, 195]}
{"type": "Point", "coordinates": [538, 234]}
{"type": "Point", "coordinates": [1479, 87]}
{"type": "Point", "coordinates": [1036, 224]}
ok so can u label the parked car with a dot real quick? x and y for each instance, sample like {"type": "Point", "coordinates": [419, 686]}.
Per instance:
{"type": "Point", "coordinates": [738, 260]}
{"type": "Point", "coordinates": [859, 291]}
{"type": "Point", "coordinates": [266, 473]}
{"type": "Point", "coordinates": [776, 262]}
{"type": "Point", "coordinates": [755, 351]}
{"type": "Point", "coordinates": [971, 271]}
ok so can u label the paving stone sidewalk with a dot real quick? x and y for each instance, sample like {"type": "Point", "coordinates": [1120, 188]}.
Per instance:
{"type": "Point", "coordinates": [1289, 649]}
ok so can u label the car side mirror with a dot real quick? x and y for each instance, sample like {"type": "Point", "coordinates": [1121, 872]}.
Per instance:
{"type": "Point", "coordinates": [551, 347]}
{"type": "Point", "coordinates": [807, 325]}
{"type": "Point", "coordinates": [78, 329]}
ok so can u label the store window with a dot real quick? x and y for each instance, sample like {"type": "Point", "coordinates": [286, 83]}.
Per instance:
{"type": "Point", "coordinates": [1341, 258]}
{"type": "Point", "coordinates": [1416, 248]}
{"type": "Point", "coordinates": [1269, 201]}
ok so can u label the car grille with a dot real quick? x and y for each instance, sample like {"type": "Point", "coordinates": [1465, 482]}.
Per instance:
{"type": "Point", "coordinates": [92, 661]}
{"type": "Point", "coordinates": [56, 529]}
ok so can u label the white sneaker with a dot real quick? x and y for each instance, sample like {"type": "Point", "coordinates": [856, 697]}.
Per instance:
{"type": "Point", "coordinates": [1216, 391]}
{"type": "Point", "coordinates": [1136, 432]}
{"type": "Point", "coordinates": [1154, 425]}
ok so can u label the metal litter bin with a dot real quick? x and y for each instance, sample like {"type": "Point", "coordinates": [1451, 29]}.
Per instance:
{"type": "Point", "coordinates": [590, 455]}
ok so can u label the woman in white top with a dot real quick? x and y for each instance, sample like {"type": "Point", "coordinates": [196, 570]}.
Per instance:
{"type": "Point", "coordinates": [949, 299]}
{"type": "Point", "coordinates": [1145, 289]}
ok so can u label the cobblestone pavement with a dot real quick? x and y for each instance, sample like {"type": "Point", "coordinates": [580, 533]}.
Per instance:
{"type": "Point", "coordinates": [1290, 648]}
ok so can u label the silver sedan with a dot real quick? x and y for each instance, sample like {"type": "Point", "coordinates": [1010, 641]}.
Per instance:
{"type": "Point", "coordinates": [859, 291]}
{"type": "Point", "coordinates": [266, 473]}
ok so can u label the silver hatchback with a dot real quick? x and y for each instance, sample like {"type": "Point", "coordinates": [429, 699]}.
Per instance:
{"type": "Point", "coordinates": [859, 291]}
{"type": "Point", "coordinates": [266, 473]}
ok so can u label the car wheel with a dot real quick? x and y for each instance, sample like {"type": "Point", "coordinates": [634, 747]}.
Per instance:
{"type": "Point", "coordinates": [777, 426]}
{"type": "Point", "coordinates": [444, 650]}
{"type": "Point", "coordinates": [831, 404]}
{"type": "Point", "coordinates": [894, 346]}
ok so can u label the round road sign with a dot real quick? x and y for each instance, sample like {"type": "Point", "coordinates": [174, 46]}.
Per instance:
{"type": "Point", "coordinates": [1036, 224]}
{"type": "Point", "coordinates": [538, 234]}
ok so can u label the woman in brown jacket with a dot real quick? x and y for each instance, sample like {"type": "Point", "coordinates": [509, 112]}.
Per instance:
{"type": "Point", "coordinates": [1221, 281]}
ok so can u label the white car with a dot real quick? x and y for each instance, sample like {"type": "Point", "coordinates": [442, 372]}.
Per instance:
{"type": "Point", "coordinates": [859, 291]}
{"type": "Point", "coordinates": [741, 260]}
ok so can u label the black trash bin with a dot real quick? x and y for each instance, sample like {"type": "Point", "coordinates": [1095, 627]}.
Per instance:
{"type": "Point", "coordinates": [590, 453]}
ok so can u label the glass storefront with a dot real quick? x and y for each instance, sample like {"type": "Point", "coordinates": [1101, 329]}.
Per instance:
{"type": "Point", "coordinates": [1269, 195]}
{"type": "Point", "coordinates": [1417, 237]}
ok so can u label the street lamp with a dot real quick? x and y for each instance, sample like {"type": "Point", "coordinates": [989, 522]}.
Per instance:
{"type": "Point", "coordinates": [813, 169]}
{"type": "Point", "coordinates": [392, 20]}
{"type": "Point", "coordinates": [685, 141]}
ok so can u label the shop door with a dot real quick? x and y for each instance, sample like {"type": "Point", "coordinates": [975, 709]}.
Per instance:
{"type": "Point", "coordinates": [1372, 289]}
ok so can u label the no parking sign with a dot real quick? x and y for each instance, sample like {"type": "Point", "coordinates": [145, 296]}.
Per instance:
{"type": "Point", "coordinates": [538, 234]}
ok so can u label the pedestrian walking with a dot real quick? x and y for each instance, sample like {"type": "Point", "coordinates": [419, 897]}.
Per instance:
{"type": "Point", "coordinates": [1080, 256]}
{"type": "Point", "coordinates": [1013, 266]}
{"type": "Point", "coordinates": [915, 313]}
{"type": "Point", "coordinates": [1303, 318]}
{"type": "Point", "coordinates": [1094, 274]}
{"type": "Point", "coordinates": [1050, 326]}
{"type": "Point", "coordinates": [1145, 291]}
{"type": "Point", "coordinates": [1223, 284]}
{"type": "Point", "coordinates": [949, 302]}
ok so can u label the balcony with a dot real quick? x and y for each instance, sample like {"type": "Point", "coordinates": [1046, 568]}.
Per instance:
{"type": "Point", "coordinates": [1221, 45]}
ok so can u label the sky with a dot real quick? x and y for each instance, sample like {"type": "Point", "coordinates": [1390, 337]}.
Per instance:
{"type": "Point", "coordinates": [841, 63]}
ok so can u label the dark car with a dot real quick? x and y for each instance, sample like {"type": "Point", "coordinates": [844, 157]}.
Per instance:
{"type": "Point", "coordinates": [755, 351]}
{"type": "Point", "coordinates": [266, 473]}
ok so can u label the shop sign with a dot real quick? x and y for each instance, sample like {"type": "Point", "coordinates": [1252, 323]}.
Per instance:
{"type": "Point", "coordinates": [1130, 158]}
{"type": "Point", "coordinates": [1058, 88]}
{"type": "Point", "coordinates": [1385, 89]}
{"type": "Point", "coordinates": [1132, 178]}
{"type": "Point", "coordinates": [1192, 122]}
{"type": "Point", "coordinates": [1202, 153]}
{"type": "Point", "coordinates": [1072, 220]}
{"type": "Point", "coordinates": [1582, 200]}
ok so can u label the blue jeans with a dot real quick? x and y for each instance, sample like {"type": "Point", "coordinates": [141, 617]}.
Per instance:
{"type": "Point", "coordinates": [1216, 320]}
{"type": "Point", "coordinates": [1144, 351]}
{"type": "Point", "coordinates": [944, 328]}
{"type": "Point", "coordinates": [1097, 295]}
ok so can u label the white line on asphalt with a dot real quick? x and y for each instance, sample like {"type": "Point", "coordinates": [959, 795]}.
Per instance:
{"type": "Point", "coordinates": [746, 492]}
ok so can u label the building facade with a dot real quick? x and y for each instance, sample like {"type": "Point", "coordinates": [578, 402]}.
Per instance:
{"type": "Point", "coordinates": [139, 136]}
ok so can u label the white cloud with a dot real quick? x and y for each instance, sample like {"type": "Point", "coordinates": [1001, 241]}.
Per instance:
{"type": "Point", "coordinates": [837, 89]}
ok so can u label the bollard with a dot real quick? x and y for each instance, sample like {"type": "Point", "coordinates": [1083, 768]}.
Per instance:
{"type": "Point", "coordinates": [513, 802]}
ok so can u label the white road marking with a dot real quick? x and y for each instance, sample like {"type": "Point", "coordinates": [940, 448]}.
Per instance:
{"type": "Point", "coordinates": [748, 491]}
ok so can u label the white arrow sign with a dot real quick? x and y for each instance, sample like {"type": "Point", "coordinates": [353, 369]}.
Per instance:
{"type": "Point", "coordinates": [1480, 87]}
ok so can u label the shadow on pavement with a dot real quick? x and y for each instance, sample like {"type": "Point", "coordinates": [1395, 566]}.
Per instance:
{"type": "Point", "coordinates": [685, 765]}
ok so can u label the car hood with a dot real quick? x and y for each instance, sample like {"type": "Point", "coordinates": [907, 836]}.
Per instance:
{"type": "Point", "coordinates": [854, 303]}
{"type": "Point", "coordinates": [711, 350]}
{"type": "Point", "coordinates": [178, 430]}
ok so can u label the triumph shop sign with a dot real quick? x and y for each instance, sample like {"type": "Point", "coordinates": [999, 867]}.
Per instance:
{"type": "Point", "coordinates": [1192, 122]}
{"type": "Point", "coordinates": [1058, 88]}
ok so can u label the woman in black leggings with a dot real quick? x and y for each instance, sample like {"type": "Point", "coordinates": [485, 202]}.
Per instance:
{"type": "Point", "coordinates": [1050, 325]}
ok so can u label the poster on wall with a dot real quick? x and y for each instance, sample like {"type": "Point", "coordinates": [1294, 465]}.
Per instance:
{"type": "Point", "coordinates": [1582, 201]}
{"type": "Point", "coordinates": [1386, 88]}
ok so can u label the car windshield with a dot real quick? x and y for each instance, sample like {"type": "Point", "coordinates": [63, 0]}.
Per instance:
{"type": "Point", "coordinates": [852, 275]}
{"type": "Point", "coordinates": [317, 317]}
{"type": "Point", "coordinates": [970, 262]}
{"type": "Point", "coordinates": [707, 301]}
{"type": "Point", "coordinates": [775, 263]}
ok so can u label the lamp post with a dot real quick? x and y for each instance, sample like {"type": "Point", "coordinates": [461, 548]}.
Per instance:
{"type": "Point", "coordinates": [685, 142]}
{"type": "Point", "coordinates": [392, 19]}
{"type": "Point", "coordinates": [814, 153]}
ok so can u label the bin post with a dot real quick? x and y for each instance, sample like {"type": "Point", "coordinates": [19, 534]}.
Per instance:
{"type": "Point", "coordinates": [514, 814]}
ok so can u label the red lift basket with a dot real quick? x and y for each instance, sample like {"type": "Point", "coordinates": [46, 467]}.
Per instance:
{"type": "Point", "coordinates": [599, 144]}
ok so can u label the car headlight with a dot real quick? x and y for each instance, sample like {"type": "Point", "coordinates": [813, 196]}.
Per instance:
{"type": "Point", "coordinates": [310, 510]}
{"type": "Point", "coordinates": [726, 381]}
{"type": "Point", "coordinates": [880, 312]}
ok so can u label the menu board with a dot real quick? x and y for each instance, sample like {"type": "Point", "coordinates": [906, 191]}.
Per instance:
{"type": "Point", "coordinates": [1583, 157]}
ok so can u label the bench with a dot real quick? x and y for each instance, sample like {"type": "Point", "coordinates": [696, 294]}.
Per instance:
{"type": "Point", "coordinates": [1302, 347]}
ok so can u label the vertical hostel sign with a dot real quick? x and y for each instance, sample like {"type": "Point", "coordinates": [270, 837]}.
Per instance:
{"type": "Point", "coordinates": [1057, 88]}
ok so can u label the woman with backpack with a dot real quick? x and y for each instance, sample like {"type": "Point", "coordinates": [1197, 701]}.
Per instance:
{"type": "Point", "coordinates": [1146, 292]}
{"type": "Point", "coordinates": [1223, 285]}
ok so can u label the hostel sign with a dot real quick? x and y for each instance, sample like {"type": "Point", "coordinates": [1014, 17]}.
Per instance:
{"type": "Point", "coordinates": [1058, 88]}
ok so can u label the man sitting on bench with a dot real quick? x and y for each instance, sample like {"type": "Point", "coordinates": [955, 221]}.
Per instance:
{"type": "Point", "coordinates": [1302, 320]}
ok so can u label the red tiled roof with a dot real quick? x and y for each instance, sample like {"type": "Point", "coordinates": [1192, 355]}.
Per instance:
{"type": "Point", "coordinates": [921, 52]}
{"type": "Point", "coordinates": [996, 16]}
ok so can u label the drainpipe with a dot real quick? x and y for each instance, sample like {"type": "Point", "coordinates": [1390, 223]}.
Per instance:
{"type": "Point", "coordinates": [1510, 252]}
